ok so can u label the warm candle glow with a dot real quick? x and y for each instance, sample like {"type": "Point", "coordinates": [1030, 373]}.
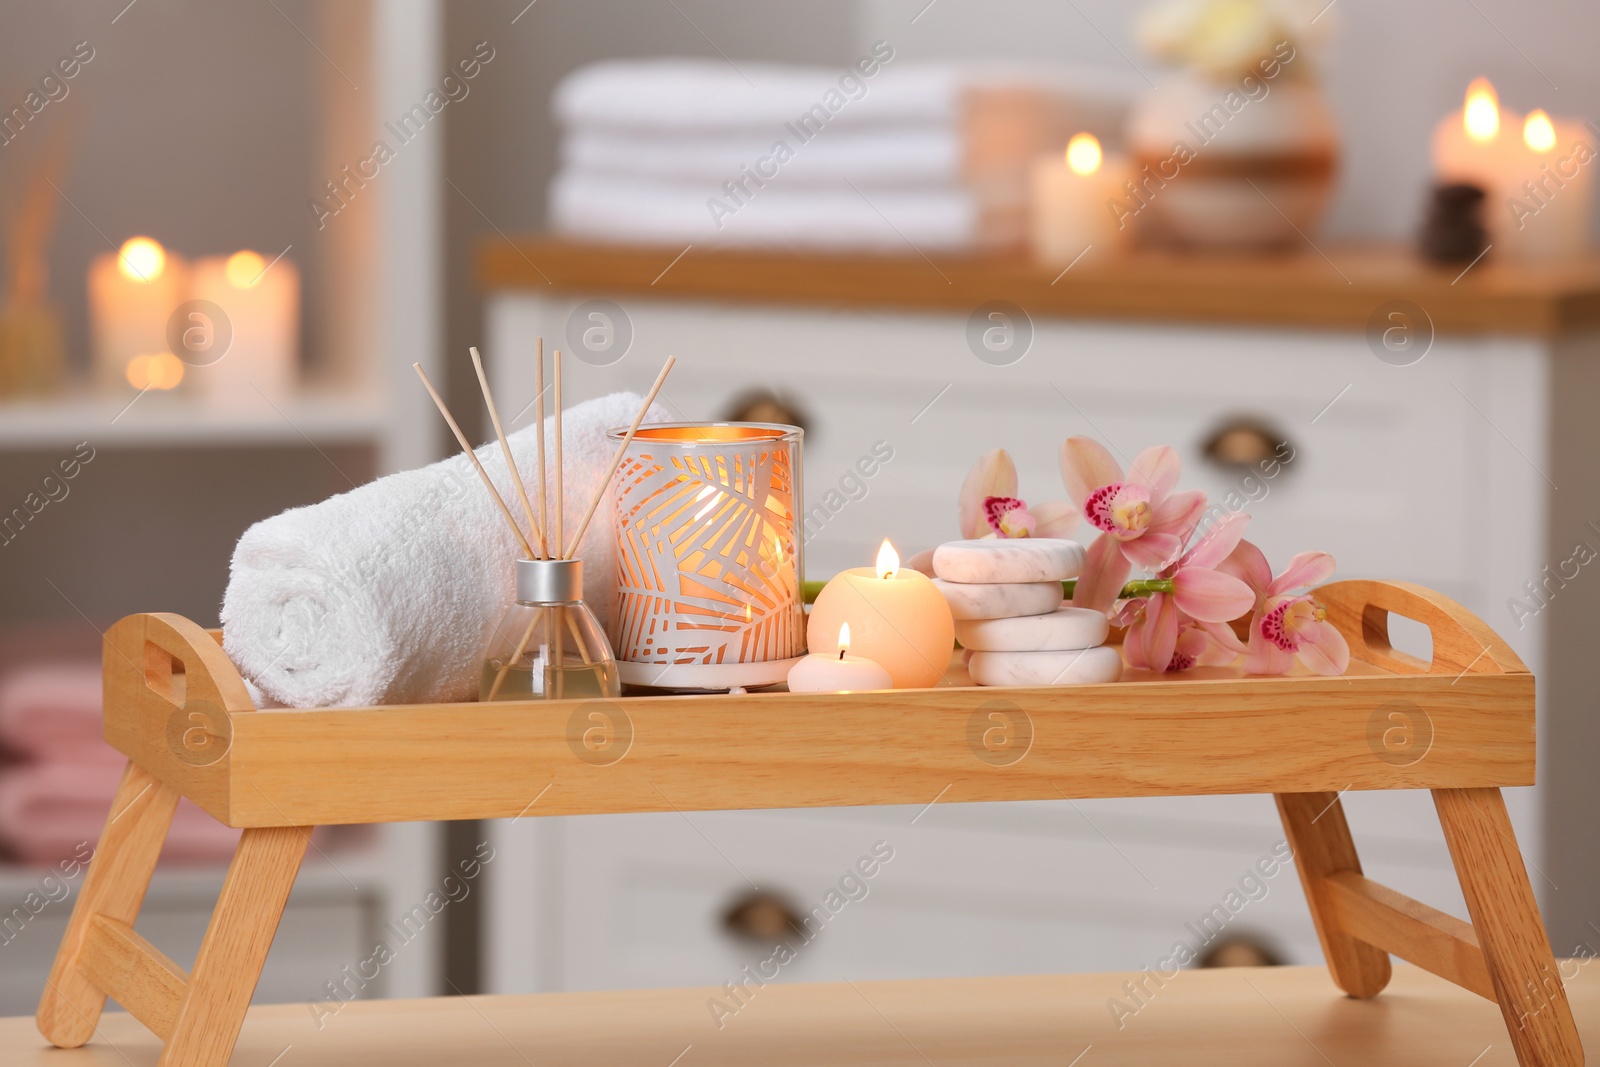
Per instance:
{"type": "Point", "coordinates": [1481, 116]}
{"type": "Point", "coordinates": [1083, 154]}
{"type": "Point", "coordinates": [888, 560]}
{"type": "Point", "coordinates": [141, 259]}
{"type": "Point", "coordinates": [244, 269]}
{"type": "Point", "coordinates": [1539, 133]}
{"type": "Point", "coordinates": [844, 639]}
{"type": "Point", "coordinates": [160, 371]}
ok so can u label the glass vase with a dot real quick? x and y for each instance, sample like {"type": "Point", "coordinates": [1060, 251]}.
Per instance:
{"type": "Point", "coordinates": [549, 645]}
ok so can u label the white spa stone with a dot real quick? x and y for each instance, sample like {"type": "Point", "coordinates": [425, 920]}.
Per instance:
{"type": "Point", "coordinates": [1063, 629]}
{"type": "Point", "coordinates": [1000, 601]}
{"type": "Point", "coordinates": [1087, 667]}
{"type": "Point", "coordinates": [1008, 559]}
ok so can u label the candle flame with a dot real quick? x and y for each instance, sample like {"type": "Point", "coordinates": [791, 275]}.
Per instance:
{"type": "Point", "coordinates": [1481, 115]}
{"type": "Point", "coordinates": [1083, 154]}
{"type": "Point", "coordinates": [244, 269]}
{"type": "Point", "coordinates": [844, 639]}
{"type": "Point", "coordinates": [1539, 133]}
{"type": "Point", "coordinates": [141, 259]}
{"type": "Point", "coordinates": [888, 560]}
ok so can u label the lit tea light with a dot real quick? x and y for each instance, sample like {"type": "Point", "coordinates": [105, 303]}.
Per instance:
{"type": "Point", "coordinates": [255, 311]}
{"type": "Point", "coordinates": [160, 371]}
{"type": "Point", "coordinates": [897, 618]}
{"type": "Point", "coordinates": [826, 672]}
{"type": "Point", "coordinates": [1539, 133]}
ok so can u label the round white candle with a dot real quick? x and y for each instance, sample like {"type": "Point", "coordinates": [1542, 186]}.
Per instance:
{"type": "Point", "coordinates": [132, 292]}
{"type": "Point", "coordinates": [262, 303]}
{"type": "Point", "coordinates": [840, 672]}
{"type": "Point", "coordinates": [897, 619]}
{"type": "Point", "coordinates": [1479, 144]}
{"type": "Point", "coordinates": [1071, 202]}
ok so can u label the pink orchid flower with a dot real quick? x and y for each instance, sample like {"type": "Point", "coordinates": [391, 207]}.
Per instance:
{"type": "Point", "coordinates": [1286, 625]}
{"type": "Point", "coordinates": [1140, 519]}
{"type": "Point", "coordinates": [989, 506]}
{"type": "Point", "coordinates": [1189, 624]}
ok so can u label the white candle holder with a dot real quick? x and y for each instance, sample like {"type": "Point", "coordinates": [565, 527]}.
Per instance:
{"type": "Point", "coordinates": [709, 556]}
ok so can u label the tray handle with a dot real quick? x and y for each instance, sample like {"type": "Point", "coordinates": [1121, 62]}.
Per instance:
{"type": "Point", "coordinates": [1462, 642]}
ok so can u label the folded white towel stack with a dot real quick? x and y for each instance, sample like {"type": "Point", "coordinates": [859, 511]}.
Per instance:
{"type": "Point", "coordinates": [387, 593]}
{"type": "Point", "coordinates": [867, 156]}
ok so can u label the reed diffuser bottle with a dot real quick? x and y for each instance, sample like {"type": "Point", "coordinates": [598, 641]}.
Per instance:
{"type": "Point", "coordinates": [549, 645]}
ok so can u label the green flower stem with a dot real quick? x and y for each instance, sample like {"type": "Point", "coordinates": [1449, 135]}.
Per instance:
{"type": "Point", "coordinates": [1137, 587]}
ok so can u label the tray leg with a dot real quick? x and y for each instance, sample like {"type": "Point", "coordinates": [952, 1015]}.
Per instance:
{"type": "Point", "coordinates": [1505, 917]}
{"type": "Point", "coordinates": [1315, 826]}
{"type": "Point", "coordinates": [115, 885]}
{"type": "Point", "coordinates": [235, 946]}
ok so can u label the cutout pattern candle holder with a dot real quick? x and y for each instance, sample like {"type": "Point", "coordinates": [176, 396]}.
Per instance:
{"type": "Point", "coordinates": [708, 556]}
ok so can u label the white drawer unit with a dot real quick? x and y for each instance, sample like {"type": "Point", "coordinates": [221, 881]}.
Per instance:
{"type": "Point", "coordinates": [1440, 472]}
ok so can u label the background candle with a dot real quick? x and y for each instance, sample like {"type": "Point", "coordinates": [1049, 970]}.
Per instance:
{"type": "Point", "coordinates": [837, 672]}
{"type": "Point", "coordinates": [897, 618]}
{"type": "Point", "coordinates": [1071, 202]}
{"type": "Point", "coordinates": [262, 305]}
{"type": "Point", "coordinates": [1545, 207]}
{"type": "Point", "coordinates": [1477, 145]}
{"type": "Point", "coordinates": [131, 295]}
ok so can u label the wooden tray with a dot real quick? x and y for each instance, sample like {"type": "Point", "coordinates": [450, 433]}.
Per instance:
{"type": "Point", "coordinates": [1461, 725]}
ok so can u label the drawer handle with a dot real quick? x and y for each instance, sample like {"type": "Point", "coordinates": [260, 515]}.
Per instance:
{"type": "Point", "coordinates": [1245, 442]}
{"type": "Point", "coordinates": [762, 917]}
{"type": "Point", "coordinates": [763, 405]}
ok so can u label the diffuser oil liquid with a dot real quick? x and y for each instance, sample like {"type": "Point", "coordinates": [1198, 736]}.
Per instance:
{"type": "Point", "coordinates": [543, 680]}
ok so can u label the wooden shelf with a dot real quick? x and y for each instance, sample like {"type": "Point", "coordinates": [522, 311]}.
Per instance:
{"type": "Point", "coordinates": [155, 421]}
{"type": "Point", "coordinates": [1340, 287]}
{"type": "Point", "coordinates": [1237, 1017]}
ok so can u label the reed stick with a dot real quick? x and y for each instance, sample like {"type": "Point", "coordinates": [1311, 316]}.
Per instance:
{"type": "Point", "coordinates": [505, 446]}
{"type": "Point", "coordinates": [616, 460]}
{"type": "Point", "coordinates": [560, 525]}
{"type": "Point", "coordinates": [488, 483]}
{"type": "Point", "coordinates": [538, 415]}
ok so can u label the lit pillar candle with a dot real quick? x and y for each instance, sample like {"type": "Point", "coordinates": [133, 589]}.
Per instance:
{"type": "Point", "coordinates": [1477, 145]}
{"type": "Point", "coordinates": [1546, 205]}
{"type": "Point", "coordinates": [261, 303]}
{"type": "Point", "coordinates": [132, 294]}
{"type": "Point", "coordinates": [897, 619]}
{"type": "Point", "coordinates": [1071, 202]}
{"type": "Point", "coordinates": [824, 672]}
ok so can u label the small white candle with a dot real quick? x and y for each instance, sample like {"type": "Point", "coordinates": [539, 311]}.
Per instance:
{"type": "Point", "coordinates": [1072, 203]}
{"type": "Point", "coordinates": [262, 305]}
{"type": "Point", "coordinates": [1545, 207]}
{"type": "Point", "coordinates": [828, 672]}
{"type": "Point", "coordinates": [132, 293]}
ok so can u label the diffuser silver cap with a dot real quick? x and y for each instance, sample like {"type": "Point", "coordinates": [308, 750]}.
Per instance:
{"type": "Point", "coordinates": [549, 581]}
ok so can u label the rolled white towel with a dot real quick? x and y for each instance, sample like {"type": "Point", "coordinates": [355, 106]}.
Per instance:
{"type": "Point", "coordinates": [386, 594]}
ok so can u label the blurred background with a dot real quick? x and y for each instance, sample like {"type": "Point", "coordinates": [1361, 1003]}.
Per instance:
{"type": "Point", "coordinates": [1345, 266]}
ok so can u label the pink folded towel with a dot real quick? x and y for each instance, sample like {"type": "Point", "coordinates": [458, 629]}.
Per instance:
{"type": "Point", "coordinates": [47, 810]}
{"type": "Point", "coordinates": [52, 710]}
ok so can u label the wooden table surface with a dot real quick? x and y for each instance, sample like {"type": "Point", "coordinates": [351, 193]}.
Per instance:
{"type": "Point", "coordinates": [1282, 1017]}
{"type": "Point", "coordinates": [1330, 285]}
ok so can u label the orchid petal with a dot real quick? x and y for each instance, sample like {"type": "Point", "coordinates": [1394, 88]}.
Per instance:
{"type": "Point", "coordinates": [1264, 657]}
{"type": "Point", "coordinates": [1247, 563]}
{"type": "Point", "coordinates": [1128, 612]}
{"type": "Point", "coordinates": [1133, 646]}
{"type": "Point", "coordinates": [1193, 645]}
{"type": "Point", "coordinates": [1151, 551]}
{"type": "Point", "coordinates": [993, 475]}
{"type": "Point", "coordinates": [1156, 469]}
{"type": "Point", "coordinates": [1160, 634]}
{"type": "Point", "coordinates": [1216, 655]}
{"type": "Point", "coordinates": [1105, 569]}
{"type": "Point", "coordinates": [1179, 514]}
{"type": "Point", "coordinates": [1323, 648]}
{"type": "Point", "coordinates": [1305, 569]}
{"type": "Point", "coordinates": [1056, 518]}
{"type": "Point", "coordinates": [1217, 543]}
{"type": "Point", "coordinates": [1085, 467]}
{"type": "Point", "coordinates": [1223, 636]}
{"type": "Point", "coordinates": [1211, 596]}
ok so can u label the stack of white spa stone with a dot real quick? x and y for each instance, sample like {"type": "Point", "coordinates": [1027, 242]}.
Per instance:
{"type": "Point", "coordinates": [1005, 595]}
